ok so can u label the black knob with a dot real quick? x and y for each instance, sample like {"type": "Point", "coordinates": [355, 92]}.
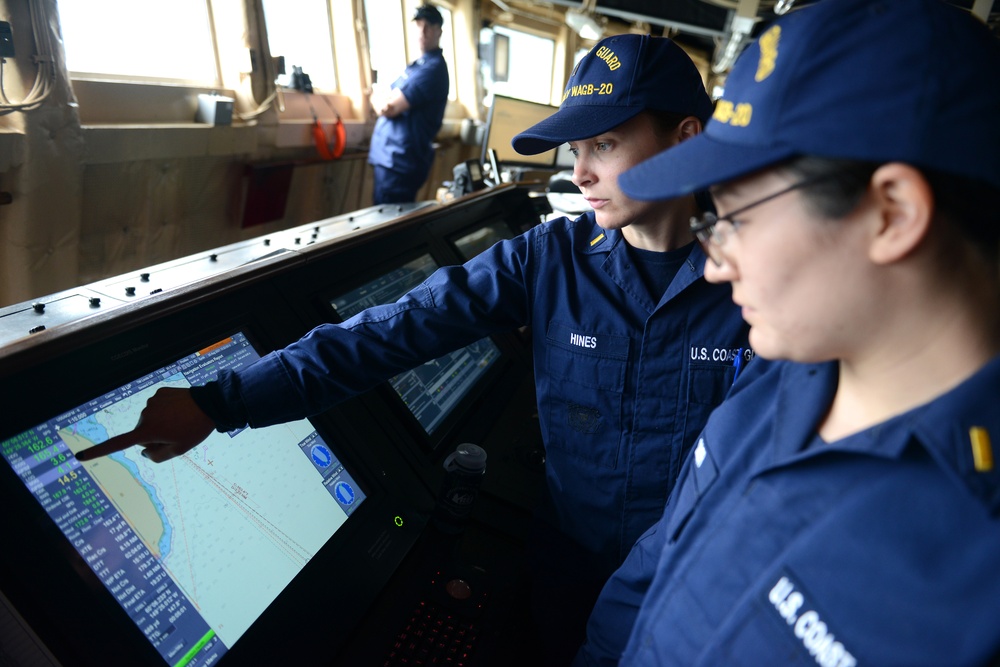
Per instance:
{"type": "Point", "coordinates": [39, 307]}
{"type": "Point", "coordinates": [129, 291]}
{"type": "Point", "coordinates": [144, 277]}
{"type": "Point", "coordinates": [95, 301]}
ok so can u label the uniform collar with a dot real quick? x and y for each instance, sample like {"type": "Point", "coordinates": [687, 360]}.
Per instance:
{"type": "Point", "coordinates": [946, 426]}
{"type": "Point", "coordinates": [942, 427]}
{"type": "Point", "coordinates": [433, 53]}
{"type": "Point", "coordinates": [693, 269]}
{"type": "Point", "coordinates": [618, 265]}
{"type": "Point", "coordinates": [598, 241]}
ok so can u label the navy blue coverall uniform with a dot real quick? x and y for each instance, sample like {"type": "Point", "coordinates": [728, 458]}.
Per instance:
{"type": "Point", "coordinates": [624, 383]}
{"type": "Point", "coordinates": [777, 548]}
{"type": "Point", "coordinates": [401, 150]}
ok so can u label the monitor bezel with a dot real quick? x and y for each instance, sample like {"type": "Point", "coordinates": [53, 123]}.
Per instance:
{"type": "Point", "coordinates": [45, 573]}
{"type": "Point", "coordinates": [508, 157]}
{"type": "Point", "coordinates": [435, 442]}
{"type": "Point", "coordinates": [454, 237]}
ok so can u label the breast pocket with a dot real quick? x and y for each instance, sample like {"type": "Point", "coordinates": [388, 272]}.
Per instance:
{"type": "Point", "coordinates": [708, 385]}
{"type": "Point", "coordinates": [584, 403]}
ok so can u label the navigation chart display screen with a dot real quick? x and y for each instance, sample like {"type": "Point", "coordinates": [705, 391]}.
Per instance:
{"type": "Point", "coordinates": [196, 548]}
{"type": "Point", "coordinates": [430, 391]}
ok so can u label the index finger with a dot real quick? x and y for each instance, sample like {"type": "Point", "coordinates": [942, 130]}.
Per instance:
{"type": "Point", "coordinates": [109, 446]}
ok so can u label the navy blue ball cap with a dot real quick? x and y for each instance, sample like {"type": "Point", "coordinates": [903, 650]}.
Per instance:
{"type": "Point", "coordinates": [911, 81]}
{"type": "Point", "coordinates": [430, 14]}
{"type": "Point", "coordinates": [621, 76]}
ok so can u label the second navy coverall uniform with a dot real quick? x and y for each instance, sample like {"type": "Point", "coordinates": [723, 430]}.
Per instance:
{"type": "Point", "coordinates": [624, 382]}
{"type": "Point", "coordinates": [778, 548]}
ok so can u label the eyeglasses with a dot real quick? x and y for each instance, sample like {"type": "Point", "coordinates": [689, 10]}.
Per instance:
{"type": "Point", "coordinates": [712, 230]}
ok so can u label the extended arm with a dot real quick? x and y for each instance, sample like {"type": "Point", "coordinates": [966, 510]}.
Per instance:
{"type": "Point", "coordinates": [455, 307]}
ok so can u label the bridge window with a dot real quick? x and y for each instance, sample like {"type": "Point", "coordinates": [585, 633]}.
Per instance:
{"type": "Point", "coordinates": [386, 40]}
{"type": "Point", "coordinates": [529, 67]}
{"type": "Point", "coordinates": [301, 31]}
{"type": "Point", "coordinates": [125, 39]}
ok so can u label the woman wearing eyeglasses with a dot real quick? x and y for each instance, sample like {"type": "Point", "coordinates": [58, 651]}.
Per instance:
{"type": "Point", "coordinates": [842, 507]}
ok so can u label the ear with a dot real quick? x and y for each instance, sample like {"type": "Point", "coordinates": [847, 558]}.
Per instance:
{"type": "Point", "coordinates": [905, 207]}
{"type": "Point", "coordinates": [689, 127]}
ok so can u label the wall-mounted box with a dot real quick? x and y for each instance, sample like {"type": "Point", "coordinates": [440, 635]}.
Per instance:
{"type": "Point", "coordinates": [215, 110]}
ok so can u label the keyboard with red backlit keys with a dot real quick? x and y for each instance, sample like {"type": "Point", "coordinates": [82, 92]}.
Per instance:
{"type": "Point", "coordinates": [443, 628]}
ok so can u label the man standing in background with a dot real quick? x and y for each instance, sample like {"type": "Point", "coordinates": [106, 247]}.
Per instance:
{"type": "Point", "coordinates": [401, 151]}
